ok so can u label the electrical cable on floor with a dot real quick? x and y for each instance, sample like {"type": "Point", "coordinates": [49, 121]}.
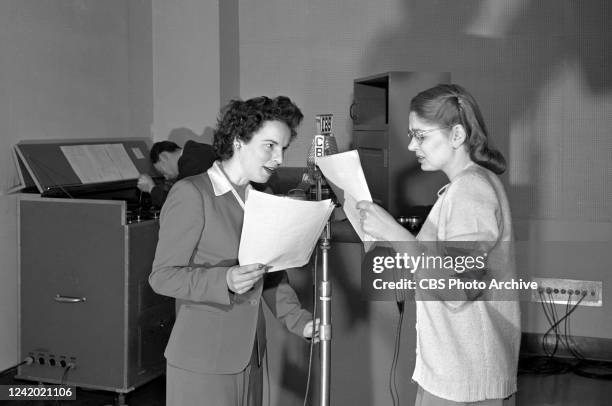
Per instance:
{"type": "Point", "coordinates": [26, 361]}
{"type": "Point", "coordinates": [555, 318]}
{"type": "Point", "coordinates": [550, 365]}
{"type": "Point", "coordinates": [554, 327]}
{"type": "Point", "coordinates": [314, 318]}
{"type": "Point", "coordinates": [555, 322]}
{"type": "Point", "coordinates": [571, 346]}
{"type": "Point", "coordinates": [594, 369]}
{"type": "Point", "coordinates": [267, 371]}
{"type": "Point", "coordinates": [396, 350]}
{"type": "Point", "coordinates": [543, 365]}
{"type": "Point", "coordinates": [544, 303]}
{"type": "Point", "coordinates": [563, 365]}
{"type": "Point", "coordinates": [67, 368]}
{"type": "Point", "coordinates": [65, 374]}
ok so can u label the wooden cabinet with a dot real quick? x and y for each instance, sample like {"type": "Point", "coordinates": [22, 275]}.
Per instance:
{"type": "Point", "coordinates": [380, 124]}
{"type": "Point", "coordinates": [85, 295]}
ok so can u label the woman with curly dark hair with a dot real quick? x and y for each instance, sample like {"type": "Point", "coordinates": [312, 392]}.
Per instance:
{"type": "Point", "coordinates": [218, 340]}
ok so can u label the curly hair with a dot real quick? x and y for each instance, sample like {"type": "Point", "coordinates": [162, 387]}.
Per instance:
{"type": "Point", "coordinates": [239, 120]}
{"type": "Point", "coordinates": [451, 104]}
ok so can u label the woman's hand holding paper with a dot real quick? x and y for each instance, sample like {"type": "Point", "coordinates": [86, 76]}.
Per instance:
{"type": "Point", "coordinates": [378, 223]}
{"type": "Point", "coordinates": [240, 279]}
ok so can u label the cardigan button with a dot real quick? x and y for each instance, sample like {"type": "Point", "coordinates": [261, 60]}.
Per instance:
{"type": "Point", "coordinates": [253, 302]}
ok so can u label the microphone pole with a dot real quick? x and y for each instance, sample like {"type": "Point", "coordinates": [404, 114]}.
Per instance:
{"type": "Point", "coordinates": [324, 143]}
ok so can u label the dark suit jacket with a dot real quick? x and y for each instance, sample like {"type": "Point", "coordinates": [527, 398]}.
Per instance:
{"type": "Point", "coordinates": [199, 235]}
{"type": "Point", "coordinates": [196, 158]}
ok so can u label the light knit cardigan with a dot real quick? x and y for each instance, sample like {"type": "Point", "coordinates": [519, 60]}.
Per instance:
{"type": "Point", "coordinates": [468, 351]}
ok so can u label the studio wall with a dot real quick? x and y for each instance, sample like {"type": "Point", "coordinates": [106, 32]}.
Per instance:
{"type": "Point", "coordinates": [186, 70]}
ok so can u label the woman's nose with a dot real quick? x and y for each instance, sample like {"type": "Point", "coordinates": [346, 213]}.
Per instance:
{"type": "Point", "coordinates": [278, 156]}
{"type": "Point", "coordinates": [413, 144]}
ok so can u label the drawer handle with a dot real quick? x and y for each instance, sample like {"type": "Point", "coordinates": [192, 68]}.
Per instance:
{"type": "Point", "coordinates": [352, 112]}
{"type": "Point", "coordinates": [68, 299]}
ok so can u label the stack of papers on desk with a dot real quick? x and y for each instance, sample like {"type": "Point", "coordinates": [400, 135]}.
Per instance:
{"type": "Point", "coordinates": [281, 232]}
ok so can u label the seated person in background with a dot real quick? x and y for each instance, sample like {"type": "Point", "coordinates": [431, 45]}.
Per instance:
{"type": "Point", "coordinates": [175, 163]}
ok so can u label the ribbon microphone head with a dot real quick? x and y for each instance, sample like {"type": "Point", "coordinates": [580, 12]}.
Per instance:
{"type": "Point", "coordinates": [323, 143]}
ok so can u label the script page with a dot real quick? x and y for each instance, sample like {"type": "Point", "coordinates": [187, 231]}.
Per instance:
{"type": "Point", "coordinates": [100, 162]}
{"type": "Point", "coordinates": [280, 232]}
{"type": "Point", "coordinates": [345, 172]}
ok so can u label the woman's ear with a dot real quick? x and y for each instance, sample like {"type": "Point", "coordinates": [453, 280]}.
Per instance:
{"type": "Point", "coordinates": [458, 136]}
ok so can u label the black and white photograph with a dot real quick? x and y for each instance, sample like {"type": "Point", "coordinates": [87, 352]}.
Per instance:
{"type": "Point", "coordinates": [305, 202]}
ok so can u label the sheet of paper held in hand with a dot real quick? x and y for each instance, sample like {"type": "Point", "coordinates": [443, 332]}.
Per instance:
{"type": "Point", "coordinates": [344, 171]}
{"type": "Point", "coordinates": [281, 232]}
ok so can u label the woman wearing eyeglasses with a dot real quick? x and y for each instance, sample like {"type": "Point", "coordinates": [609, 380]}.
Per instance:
{"type": "Point", "coordinates": [467, 344]}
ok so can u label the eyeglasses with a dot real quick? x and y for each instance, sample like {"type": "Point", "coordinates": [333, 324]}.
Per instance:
{"type": "Point", "coordinates": [419, 135]}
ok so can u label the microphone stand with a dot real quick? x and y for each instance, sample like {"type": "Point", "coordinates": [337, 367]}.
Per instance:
{"type": "Point", "coordinates": [324, 143]}
{"type": "Point", "coordinates": [325, 330]}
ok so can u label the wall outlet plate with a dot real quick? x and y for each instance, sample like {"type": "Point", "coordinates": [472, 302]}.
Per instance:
{"type": "Point", "coordinates": [563, 290]}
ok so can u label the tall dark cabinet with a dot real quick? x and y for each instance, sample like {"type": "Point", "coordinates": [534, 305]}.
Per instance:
{"type": "Point", "coordinates": [380, 123]}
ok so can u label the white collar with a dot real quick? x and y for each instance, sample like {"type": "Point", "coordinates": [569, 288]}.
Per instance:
{"type": "Point", "coordinates": [221, 185]}
{"type": "Point", "coordinates": [443, 189]}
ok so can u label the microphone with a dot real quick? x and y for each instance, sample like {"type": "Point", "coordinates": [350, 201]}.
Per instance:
{"type": "Point", "coordinates": [323, 144]}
